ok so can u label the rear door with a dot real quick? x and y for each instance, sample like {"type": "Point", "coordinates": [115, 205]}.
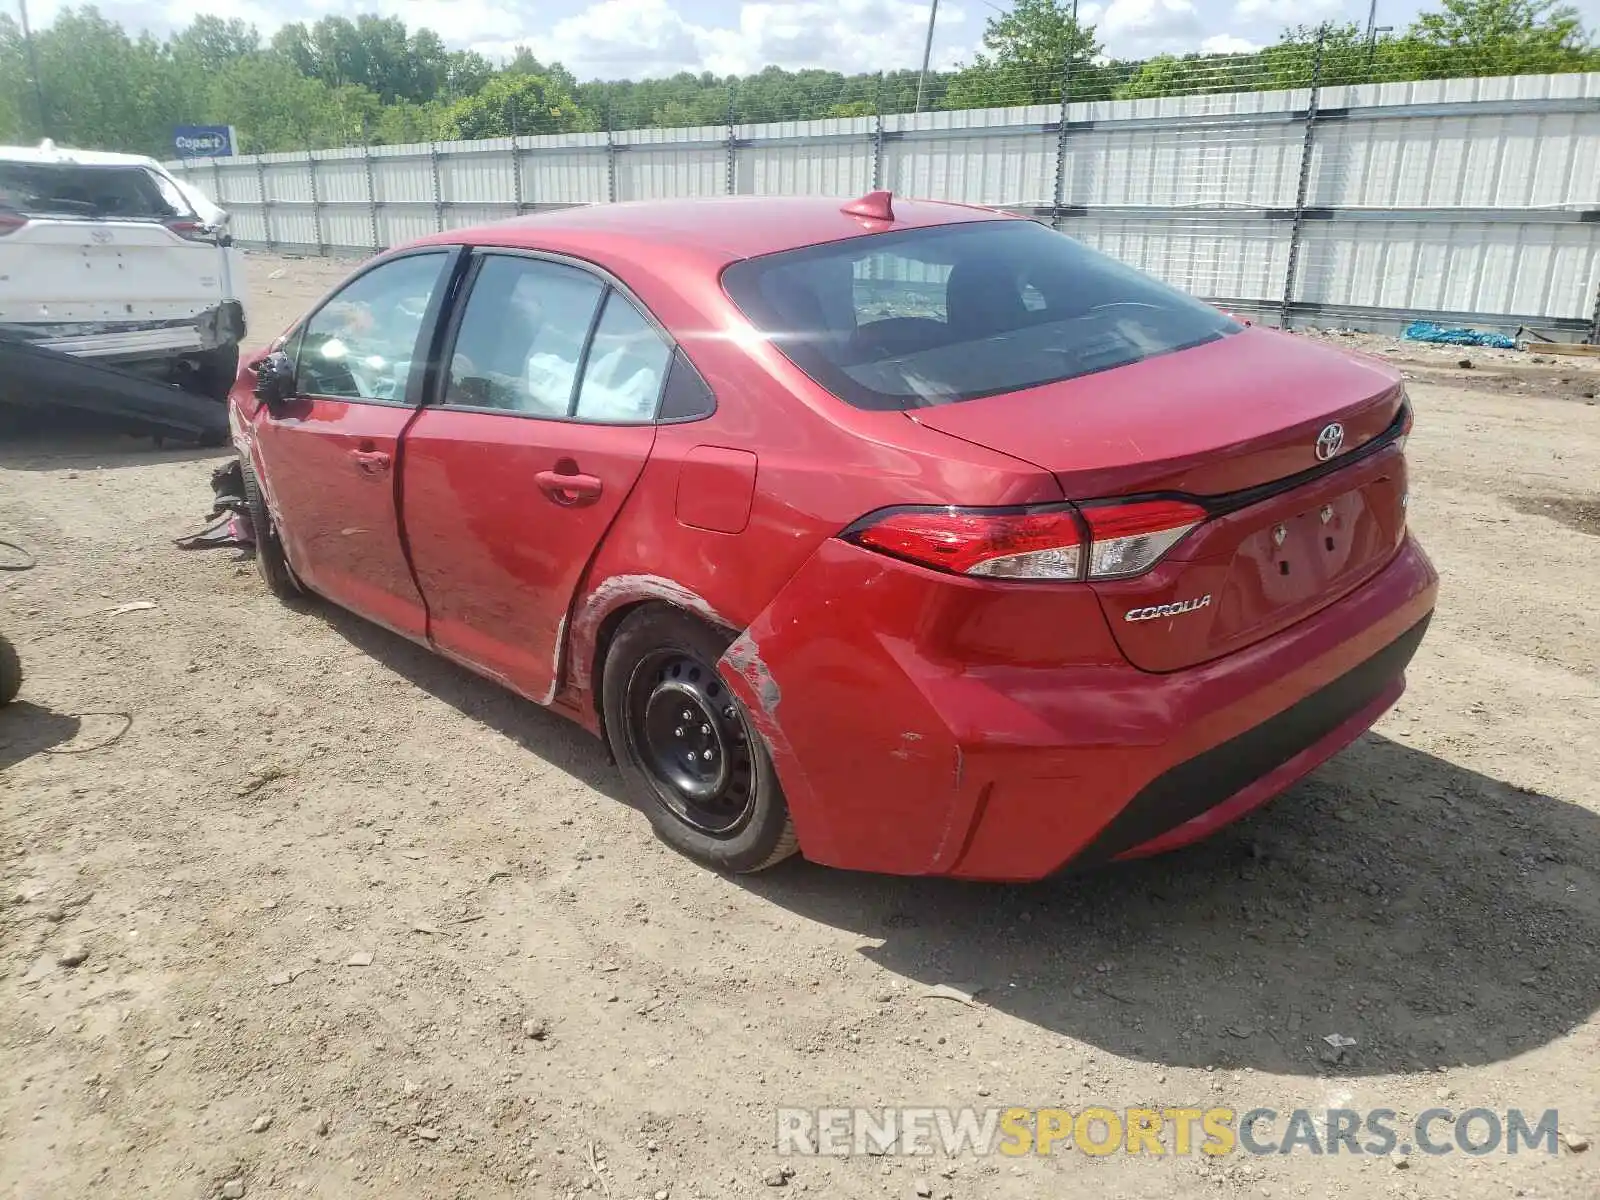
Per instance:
{"type": "Point", "coordinates": [103, 244]}
{"type": "Point", "coordinates": [514, 474]}
{"type": "Point", "coordinates": [330, 455]}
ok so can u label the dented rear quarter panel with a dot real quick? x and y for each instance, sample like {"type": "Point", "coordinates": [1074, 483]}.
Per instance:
{"type": "Point", "coordinates": [819, 466]}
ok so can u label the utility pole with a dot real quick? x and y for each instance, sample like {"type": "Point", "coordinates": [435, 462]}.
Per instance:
{"type": "Point", "coordinates": [1373, 30]}
{"type": "Point", "coordinates": [33, 66]}
{"type": "Point", "coordinates": [927, 51]}
{"type": "Point", "coordinates": [1066, 67]}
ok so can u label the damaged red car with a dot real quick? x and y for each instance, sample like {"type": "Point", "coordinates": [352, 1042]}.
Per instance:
{"type": "Point", "coordinates": [915, 537]}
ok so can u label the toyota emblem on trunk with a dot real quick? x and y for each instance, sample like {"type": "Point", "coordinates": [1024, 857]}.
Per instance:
{"type": "Point", "coordinates": [1329, 441]}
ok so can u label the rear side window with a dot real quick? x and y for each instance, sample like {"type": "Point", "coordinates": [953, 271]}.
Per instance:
{"type": "Point", "coordinates": [78, 190]}
{"type": "Point", "coordinates": [934, 316]}
{"type": "Point", "coordinates": [626, 364]}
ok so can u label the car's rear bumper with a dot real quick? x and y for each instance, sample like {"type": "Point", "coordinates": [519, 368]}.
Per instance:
{"type": "Point", "coordinates": [138, 341]}
{"type": "Point", "coordinates": [990, 759]}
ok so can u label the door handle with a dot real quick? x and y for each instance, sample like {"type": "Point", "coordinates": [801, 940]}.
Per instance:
{"type": "Point", "coordinates": [569, 490]}
{"type": "Point", "coordinates": [373, 462]}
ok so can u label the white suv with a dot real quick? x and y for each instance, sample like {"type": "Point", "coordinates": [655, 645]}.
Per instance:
{"type": "Point", "coordinates": [111, 258]}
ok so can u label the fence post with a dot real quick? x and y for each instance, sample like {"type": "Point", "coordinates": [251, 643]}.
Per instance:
{"type": "Point", "coordinates": [877, 136]}
{"type": "Point", "coordinates": [1059, 194]}
{"type": "Point", "coordinates": [733, 153]}
{"type": "Point", "coordinates": [316, 203]}
{"type": "Point", "coordinates": [1594, 321]}
{"type": "Point", "coordinates": [611, 158]}
{"type": "Point", "coordinates": [516, 161]}
{"type": "Point", "coordinates": [372, 195]}
{"type": "Point", "coordinates": [438, 187]}
{"type": "Point", "coordinates": [1303, 186]}
{"type": "Point", "coordinates": [266, 213]}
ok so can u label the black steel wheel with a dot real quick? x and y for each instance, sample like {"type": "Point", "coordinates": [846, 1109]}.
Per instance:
{"type": "Point", "coordinates": [270, 558]}
{"type": "Point", "coordinates": [687, 746]}
{"type": "Point", "coordinates": [10, 672]}
{"type": "Point", "coordinates": [691, 739]}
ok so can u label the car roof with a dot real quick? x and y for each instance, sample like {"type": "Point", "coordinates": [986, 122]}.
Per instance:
{"type": "Point", "coordinates": [49, 152]}
{"type": "Point", "coordinates": [718, 230]}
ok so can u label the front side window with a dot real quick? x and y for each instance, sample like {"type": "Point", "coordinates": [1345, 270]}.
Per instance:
{"type": "Point", "coordinates": [361, 345]}
{"type": "Point", "coordinates": [950, 313]}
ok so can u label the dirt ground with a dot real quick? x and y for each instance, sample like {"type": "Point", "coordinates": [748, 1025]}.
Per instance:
{"type": "Point", "coordinates": [552, 1004]}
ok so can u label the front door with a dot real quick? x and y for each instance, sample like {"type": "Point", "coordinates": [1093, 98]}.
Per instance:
{"type": "Point", "coordinates": [330, 455]}
{"type": "Point", "coordinates": [513, 476]}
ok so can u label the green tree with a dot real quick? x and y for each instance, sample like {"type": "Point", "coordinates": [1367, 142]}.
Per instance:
{"type": "Point", "coordinates": [18, 118]}
{"type": "Point", "coordinates": [275, 107]}
{"type": "Point", "coordinates": [379, 54]}
{"type": "Point", "coordinates": [1030, 50]}
{"type": "Point", "coordinates": [518, 104]}
{"type": "Point", "coordinates": [213, 44]}
{"type": "Point", "coordinates": [1503, 37]}
{"type": "Point", "coordinates": [104, 89]}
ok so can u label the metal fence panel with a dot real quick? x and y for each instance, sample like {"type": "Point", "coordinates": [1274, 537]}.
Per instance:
{"type": "Point", "coordinates": [1224, 260]}
{"type": "Point", "coordinates": [826, 158]}
{"type": "Point", "coordinates": [565, 170]}
{"type": "Point", "coordinates": [1536, 271]}
{"type": "Point", "coordinates": [979, 156]}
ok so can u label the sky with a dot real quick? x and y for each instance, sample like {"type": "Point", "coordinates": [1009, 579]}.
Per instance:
{"type": "Point", "coordinates": [636, 39]}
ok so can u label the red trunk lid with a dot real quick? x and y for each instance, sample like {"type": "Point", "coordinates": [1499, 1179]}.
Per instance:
{"type": "Point", "coordinates": [1235, 422]}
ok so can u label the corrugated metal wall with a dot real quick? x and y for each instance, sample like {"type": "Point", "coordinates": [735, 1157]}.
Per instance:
{"type": "Point", "coordinates": [1471, 199]}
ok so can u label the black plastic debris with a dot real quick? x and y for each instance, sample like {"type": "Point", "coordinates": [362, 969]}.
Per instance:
{"type": "Point", "coordinates": [49, 382]}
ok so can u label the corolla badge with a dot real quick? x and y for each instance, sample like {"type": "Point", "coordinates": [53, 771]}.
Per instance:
{"type": "Point", "coordinates": [1176, 609]}
{"type": "Point", "coordinates": [1329, 441]}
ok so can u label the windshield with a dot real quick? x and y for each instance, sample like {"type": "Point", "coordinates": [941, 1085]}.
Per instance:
{"type": "Point", "coordinates": [76, 190]}
{"type": "Point", "coordinates": [934, 316]}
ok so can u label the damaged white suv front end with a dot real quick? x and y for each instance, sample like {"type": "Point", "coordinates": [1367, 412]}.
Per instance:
{"type": "Point", "coordinates": [109, 257]}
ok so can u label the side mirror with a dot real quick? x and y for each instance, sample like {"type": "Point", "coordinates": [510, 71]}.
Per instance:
{"type": "Point", "coordinates": [274, 381]}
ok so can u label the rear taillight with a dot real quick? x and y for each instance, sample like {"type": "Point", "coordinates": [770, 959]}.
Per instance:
{"type": "Point", "coordinates": [11, 222]}
{"type": "Point", "coordinates": [1036, 544]}
{"type": "Point", "coordinates": [1105, 540]}
{"type": "Point", "coordinates": [189, 230]}
{"type": "Point", "coordinates": [1128, 538]}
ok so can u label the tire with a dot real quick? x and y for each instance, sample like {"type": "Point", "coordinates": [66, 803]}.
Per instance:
{"type": "Point", "coordinates": [10, 672]}
{"type": "Point", "coordinates": [270, 559]}
{"type": "Point", "coordinates": [728, 812]}
{"type": "Point", "coordinates": [214, 372]}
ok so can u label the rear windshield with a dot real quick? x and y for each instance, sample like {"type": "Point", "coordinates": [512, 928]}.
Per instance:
{"type": "Point", "coordinates": [76, 190]}
{"type": "Point", "coordinates": [934, 316]}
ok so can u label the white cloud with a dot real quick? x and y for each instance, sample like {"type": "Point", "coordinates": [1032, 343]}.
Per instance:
{"type": "Point", "coordinates": [616, 38]}
{"type": "Point", "coordinates": [1227, 43]}
{"type": "Point", "coordinates": [1140, 28]}
{"type": "Point", "coordinates": [1289, 12]}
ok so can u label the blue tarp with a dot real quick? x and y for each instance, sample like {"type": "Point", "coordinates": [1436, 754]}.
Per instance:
{"type": "Point", "coordinates": [1427, 331]}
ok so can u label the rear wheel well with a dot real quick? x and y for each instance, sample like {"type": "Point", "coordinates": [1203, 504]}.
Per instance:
{"type": "Point", "coordinates": [607, 633]}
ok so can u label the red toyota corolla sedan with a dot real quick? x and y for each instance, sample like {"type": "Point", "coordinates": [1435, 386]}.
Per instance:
{"type": "Point", "coordinates": [915, 537]}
